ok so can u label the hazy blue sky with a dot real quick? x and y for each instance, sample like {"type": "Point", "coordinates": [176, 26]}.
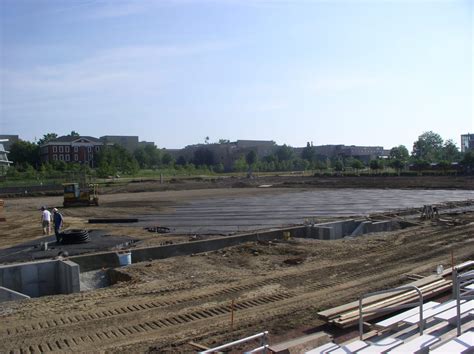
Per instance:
{"type": "Point", "coordinates": [175, 71]}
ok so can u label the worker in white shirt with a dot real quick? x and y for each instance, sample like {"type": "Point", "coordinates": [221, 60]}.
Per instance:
{"type": "Point", "coordinates": [46, 220]}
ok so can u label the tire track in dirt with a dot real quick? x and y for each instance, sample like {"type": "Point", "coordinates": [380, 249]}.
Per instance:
{"type": "Point", "coordinates": [285, 301]}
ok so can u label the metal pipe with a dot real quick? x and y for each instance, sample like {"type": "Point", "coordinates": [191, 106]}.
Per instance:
{"type": "Point", "coordinates": [396, 290]}
{"type": "Point", "coordinates": [239, 341]}
{"type": "Point", "coordinates": [259, 349]}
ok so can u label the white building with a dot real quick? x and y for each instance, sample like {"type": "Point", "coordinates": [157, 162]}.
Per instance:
{"type": "Point", "coordinates": [4, 162]}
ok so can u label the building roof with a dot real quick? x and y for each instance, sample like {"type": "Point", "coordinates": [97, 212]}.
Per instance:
{"type": "Point", "coordinates": [70, 139]}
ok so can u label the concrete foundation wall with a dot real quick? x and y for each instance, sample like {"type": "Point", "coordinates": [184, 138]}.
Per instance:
{"type": "Point", "coordinates": [110, 259]}
{"type": "Point", "coordinates": [68, 281]}
{"type": "Point", "coordinates": [41, 278]}
{"type": "Point", "coordinates": [325, 231]}
{"type": "Point", "coordinates": [340, 229]}
{"type": "Point", "coordinates": [10, 295]}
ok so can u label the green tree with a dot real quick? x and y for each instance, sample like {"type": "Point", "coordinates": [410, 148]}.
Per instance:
{"type": "Point", "coordinates": [219, 168]}
{"type": "Point", "coordinates": [376, 164]}
{"type": "Point", "coordinates": [142, 158]}
{"type": "Point", "coordinates": [24, 152]}
{"type": "Point", "coordinates": [74, 133]}
{"type": "Point", "coordinates": [251, 158]}
{"type": "Point", "coordinates": [285, 153]}
{"type": "Point", "coordinates": [203, 157]}
{"type": "Point", "coordinates": [428, 147]}
{"type": "Point", "coordinates": [46, 138]}
{"type": "Point", "coordinates": [181, 161]}
{"type": "Point", "coordinates": [240, 164]}
{"type": "Point", "coordinates": [397, 164]}
{"type": "Point", "coordinates": [450, 151]}
{"type": "Point", "coordinates": [338, 165]}
{"type": "Point", "coordinates": [115, 159]}
{"type": "Point", "coordinates": [308, 153]}
{"type": "Point", "coordinates": [167, 159]}
{"type": "Point", "coordinates": [399, 152]}
{"type": "Point", "coordinates": [357, 165]}
{"type": "Point", "coordinates": [148, 156]}
{"type": "Point", "coordinates": [444, 165]}
{"type": "Point", "coordinates": [468, 161]}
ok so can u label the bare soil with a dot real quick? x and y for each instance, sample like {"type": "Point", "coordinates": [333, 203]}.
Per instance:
{"type": "Point", "coordinates": [276, 286]}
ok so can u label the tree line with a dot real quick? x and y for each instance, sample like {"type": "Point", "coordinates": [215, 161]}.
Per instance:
{"type": "Point", "coordinates": [115, 160]}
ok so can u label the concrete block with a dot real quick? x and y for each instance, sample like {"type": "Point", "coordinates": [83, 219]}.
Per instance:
{"type": "Point", "coordinates": [46, 278]}
{"type": "Point", "coordinates": [11, 295]}
{"type": "Point", "coordinates": [301, 344]}
{"type": "Point", "coordinates": [29, 279]}
{"type": "Point", "coordinates": [68, 277]}
{"type": "Point", "coordinates": [361, 229]}
{"type": "Point", "coordinates": [41, 278]}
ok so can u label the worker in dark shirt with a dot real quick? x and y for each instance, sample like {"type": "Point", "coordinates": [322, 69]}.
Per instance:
{"type": "Point", "coordinates": [58, 223]}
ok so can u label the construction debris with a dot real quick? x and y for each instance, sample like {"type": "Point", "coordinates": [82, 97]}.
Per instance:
{"type": "Point", "coordinates": [429, 212]}
{"type": "Point", "coordinates": [158, 229]}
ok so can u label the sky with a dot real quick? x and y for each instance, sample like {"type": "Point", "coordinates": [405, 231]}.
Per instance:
{"type": "Point", "coordinates": [352, 72]}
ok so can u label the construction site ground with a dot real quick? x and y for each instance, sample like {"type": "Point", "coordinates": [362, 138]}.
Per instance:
{"type": "Point", "coordinates": [277, 286]}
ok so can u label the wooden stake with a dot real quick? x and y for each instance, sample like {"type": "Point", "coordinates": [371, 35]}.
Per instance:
{"type": "Point", "coordinates": [452, 261]}
{"type": "Point", "coordinates": [232, 315]}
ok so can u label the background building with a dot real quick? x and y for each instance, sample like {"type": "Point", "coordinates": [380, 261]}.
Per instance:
{"type": "Point", "coordinates": [467, 142]}
{"type": "Point", "coordinates": [79, 149]}
{"type": "Point", "coordinates": [4, 162]}
{"type": "Point", "coordinates": [8, 140]}
{"type": "Point", "coordinates": [129, 142]}
{"type": "Point", "coordinates": [225, 153]}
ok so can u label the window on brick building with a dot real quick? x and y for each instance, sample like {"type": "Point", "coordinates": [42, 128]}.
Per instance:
{"type": "Point", "coordinates": [76, 149]}
{"type": "Point", "coordinates": [68, 158]}
{"type": "Point", "coordinates": [55, 149]}
{"type": "Point", "coordinates": [66, 149]}
{"type": "Point", "coordinates": [76, 157]}
{"type": "Point", "coordinates": [61, 157]}
{"type": "Point", "coordinates": [61, 149]}
{"type": "Point", "coordinates": [55, 157]}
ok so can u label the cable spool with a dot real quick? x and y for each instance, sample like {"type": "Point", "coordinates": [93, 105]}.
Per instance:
{"type": "Point", "coordinates": [74, 236]}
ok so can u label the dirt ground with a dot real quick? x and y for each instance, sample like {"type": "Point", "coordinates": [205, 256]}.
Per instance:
{"type": "Point", "coordinates": [164, 304]}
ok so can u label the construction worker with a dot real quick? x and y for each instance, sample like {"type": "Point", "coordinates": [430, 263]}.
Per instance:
{"type": "Point", "coordinates": [45, 220]}
{"type": "Point", "coordinates": [58, 223]}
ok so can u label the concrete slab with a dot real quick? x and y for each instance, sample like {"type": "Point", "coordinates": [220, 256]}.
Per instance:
{"type": "Point", "coordinates": [237, 214]}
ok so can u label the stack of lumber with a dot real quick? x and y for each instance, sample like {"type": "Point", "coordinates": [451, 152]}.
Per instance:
{"type": "Point", "coordinates": [348, 315]}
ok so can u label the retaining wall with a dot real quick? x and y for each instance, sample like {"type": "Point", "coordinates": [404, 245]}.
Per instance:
{"type": "Point", "coordinates": [41, 278]}
{"type": "Point", "coordinates": [109, 259]}
{"type": "Point", "coordinates": [325, 231]}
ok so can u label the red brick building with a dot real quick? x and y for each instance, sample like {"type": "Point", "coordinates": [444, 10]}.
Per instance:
{"type": "Point", "coordinates": [79, 149]}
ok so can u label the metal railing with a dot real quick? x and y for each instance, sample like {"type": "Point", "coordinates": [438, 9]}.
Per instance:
{"type": "Point", "coordinates": [462, 292]}
{"type": "Point", "coordinates": [262, 348]}
{"type": "Point", "coordinates": [391, 308]}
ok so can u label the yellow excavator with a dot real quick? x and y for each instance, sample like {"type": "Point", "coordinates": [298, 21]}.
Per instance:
{"type": "Point", "coordinates": [75, 196]}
